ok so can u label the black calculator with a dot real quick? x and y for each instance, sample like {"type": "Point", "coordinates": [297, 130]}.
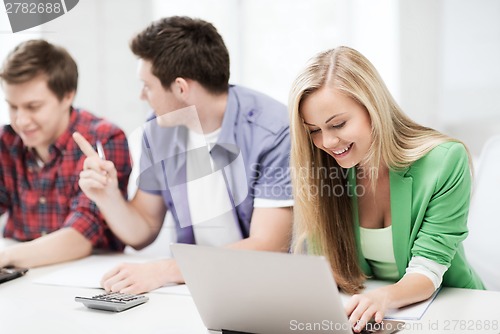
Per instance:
{"type": "Point", "coordinates": [113, 301]}
{"type": "Point", "coordinates": [9, 273]}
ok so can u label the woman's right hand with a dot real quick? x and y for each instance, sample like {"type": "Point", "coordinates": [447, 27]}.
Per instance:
{"type": "Point", "coordinates": [366, 306]}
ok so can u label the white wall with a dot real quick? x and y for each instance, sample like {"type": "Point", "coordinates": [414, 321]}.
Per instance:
{"type": "Point", "coordinates": [438, 57]}
{"type": "Point", "coordinates": [469, 60]}
{"type": "Point", "coordinates": [8, 41]}
{"type": "Point", "coordinates": [450, 74]}
{"type": "Point", "coordinates": [419, 43]}
{"type": "Point", "coordinates": [470, 70]}
{"type": "Point", "coordinates": [97, 33]}
{"type": "Point", "coordinates": [270, 41]}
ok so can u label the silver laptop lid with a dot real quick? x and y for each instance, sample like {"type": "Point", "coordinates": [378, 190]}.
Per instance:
{"type": "Point", "coordinates": [261, 292]}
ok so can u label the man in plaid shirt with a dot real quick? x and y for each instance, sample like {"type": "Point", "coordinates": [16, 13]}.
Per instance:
{"type": "Point", "coordinates": [40, 163]}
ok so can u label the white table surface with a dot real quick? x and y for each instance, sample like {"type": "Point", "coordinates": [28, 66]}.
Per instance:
{"type": "Point", "coordinates": [28, 307]}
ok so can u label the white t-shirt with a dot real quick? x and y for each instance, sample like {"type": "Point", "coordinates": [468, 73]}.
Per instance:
{"type": "Point", "coordinates": [210, 205]}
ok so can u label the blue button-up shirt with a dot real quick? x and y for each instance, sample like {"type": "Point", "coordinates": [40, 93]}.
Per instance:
{"type": "Point", "coordinates": [253, 151]}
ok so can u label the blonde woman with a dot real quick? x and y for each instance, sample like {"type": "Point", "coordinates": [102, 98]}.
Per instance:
{"type": "Point", "coordinates": [376, 193]}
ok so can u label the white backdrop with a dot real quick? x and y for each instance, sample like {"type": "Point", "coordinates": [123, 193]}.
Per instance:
{"type": "Point", "coordinates": [438, 57]}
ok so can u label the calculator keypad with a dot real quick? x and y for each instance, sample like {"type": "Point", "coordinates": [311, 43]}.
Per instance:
{"type": "Point", "coordinates": [114, 301]}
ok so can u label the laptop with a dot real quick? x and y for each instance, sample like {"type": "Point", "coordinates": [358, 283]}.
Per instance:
{"type": "Point", "coordinates": [259, 292]}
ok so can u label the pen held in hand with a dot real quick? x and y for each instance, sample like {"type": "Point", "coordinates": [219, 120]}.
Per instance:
{"type": "Point", "coordinates": [100, 150]}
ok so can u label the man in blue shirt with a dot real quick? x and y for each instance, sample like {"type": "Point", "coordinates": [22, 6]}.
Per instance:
{"type": "Point", "coordinates": [215, 155]}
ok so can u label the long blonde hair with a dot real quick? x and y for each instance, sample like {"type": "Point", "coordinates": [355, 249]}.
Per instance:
{"type": "Point", "coordinates": [324, 222]}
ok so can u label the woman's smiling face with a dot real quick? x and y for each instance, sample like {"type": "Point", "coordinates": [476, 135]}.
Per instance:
{"type": "Point", "coordinates": [338, 125]}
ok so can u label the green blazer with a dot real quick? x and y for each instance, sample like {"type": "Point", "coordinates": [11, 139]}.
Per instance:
{"type": "Point", "coordinates": [429, 209]}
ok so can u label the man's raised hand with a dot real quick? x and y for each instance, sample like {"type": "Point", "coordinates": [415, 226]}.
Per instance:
{"type": "Point", "coordinates": [98, 179]}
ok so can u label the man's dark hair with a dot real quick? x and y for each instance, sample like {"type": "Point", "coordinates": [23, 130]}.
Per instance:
{"type": "Point", "coordinates": [180, 46]}
{"type": "Point", "coordinates": [38, 57]}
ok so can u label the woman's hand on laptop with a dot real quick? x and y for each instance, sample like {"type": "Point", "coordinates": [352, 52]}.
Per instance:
{"type": "Point", "coordinates": [412, 288]}
{"type": "Point", "coordinates": [135, 278]}
{"type": "Point", "coordinates": [364, 307]}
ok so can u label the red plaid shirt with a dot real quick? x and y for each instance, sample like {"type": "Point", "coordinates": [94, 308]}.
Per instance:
{"type": "Point", "coordinates": [41, 200]}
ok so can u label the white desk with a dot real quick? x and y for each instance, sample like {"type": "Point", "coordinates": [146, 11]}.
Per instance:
{"type": "Point", "coordinates": [27, 307]}
{"type": "Point", "coordinates": [460, 311]}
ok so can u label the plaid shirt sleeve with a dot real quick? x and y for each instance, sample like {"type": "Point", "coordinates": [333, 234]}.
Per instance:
{"type": "Point", "coordinates": [84, 215]}
{"type": "Point", "coordinates": [4, 192]}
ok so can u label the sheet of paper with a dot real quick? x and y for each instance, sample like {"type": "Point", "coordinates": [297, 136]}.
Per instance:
{"type": "Point", "coordinates": [411, 312]}
{"type": "Point", "coordinates": [174, 289]}
{"type": "Point", "coordinates": [87, 272]}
